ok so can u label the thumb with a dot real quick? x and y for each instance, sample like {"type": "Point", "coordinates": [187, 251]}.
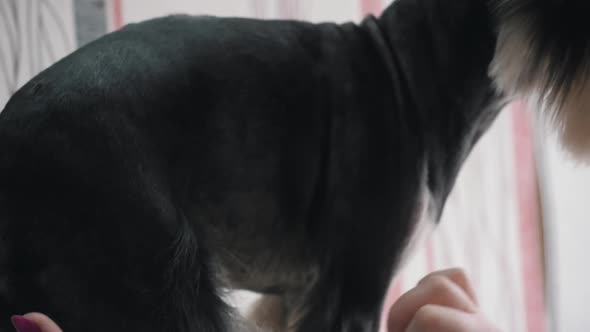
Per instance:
{"type": "Point", "coordinates": [34, 322]}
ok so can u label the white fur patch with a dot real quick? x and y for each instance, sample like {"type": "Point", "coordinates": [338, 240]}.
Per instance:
{"type": "Point", "coordinates": [422, 230]}
{"type": "Point", "coordinates": [568, 112]}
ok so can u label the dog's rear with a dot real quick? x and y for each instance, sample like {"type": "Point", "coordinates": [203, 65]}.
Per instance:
{"type": "Point", "coordinates": [109, 231]}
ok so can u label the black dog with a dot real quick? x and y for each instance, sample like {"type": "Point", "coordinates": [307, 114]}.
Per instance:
{"type": "Point", "coordinates": [151, 169]}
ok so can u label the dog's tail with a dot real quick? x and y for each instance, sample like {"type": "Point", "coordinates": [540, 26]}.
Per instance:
{"type": "Point", "coordinates": [543, 56]}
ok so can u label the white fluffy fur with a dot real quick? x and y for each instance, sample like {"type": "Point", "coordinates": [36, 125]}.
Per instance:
{"type": "Point", "coordinates": [568, 112]}
{"type": "Point", "coordinates": [424, 226]}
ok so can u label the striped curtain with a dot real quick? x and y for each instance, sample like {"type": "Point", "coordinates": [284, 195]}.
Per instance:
{"type": "Point", "coordinates": [33, 34]}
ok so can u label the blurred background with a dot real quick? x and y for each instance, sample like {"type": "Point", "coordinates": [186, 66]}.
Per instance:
{"type": "Point", "coordinates": [515, 220]}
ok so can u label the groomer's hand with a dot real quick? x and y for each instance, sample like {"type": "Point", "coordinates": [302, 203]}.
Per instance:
{"type": "Point", "coordinates": [443, 301]}
{"type": "Point", "coordinates": [34, 322]}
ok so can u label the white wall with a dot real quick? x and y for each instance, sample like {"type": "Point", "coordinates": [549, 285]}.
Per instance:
{"type": "Point", "coordinates": [315, 11]}
{"type": "Point", "coordinates": [566, 198]}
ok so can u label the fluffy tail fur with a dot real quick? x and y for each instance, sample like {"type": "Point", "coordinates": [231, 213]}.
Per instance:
{"type": "Point", "coordinates": [543, 55]}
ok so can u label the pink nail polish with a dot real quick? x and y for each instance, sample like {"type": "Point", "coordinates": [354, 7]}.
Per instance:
{"type": "Point", "coordinates": [22, 324]}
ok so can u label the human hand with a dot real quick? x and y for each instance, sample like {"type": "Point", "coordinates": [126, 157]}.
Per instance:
{"type": "Point", "coordinates": [34, 322]}
{"type": "Point", "coordinates": [443, 301]}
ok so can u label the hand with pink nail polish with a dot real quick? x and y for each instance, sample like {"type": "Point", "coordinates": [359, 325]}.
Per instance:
{"type": "Point", "coordinates": [34, 322]}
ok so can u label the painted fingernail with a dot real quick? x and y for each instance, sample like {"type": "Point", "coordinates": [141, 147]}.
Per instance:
{"type": "Point", "coordinates": [22, 324]}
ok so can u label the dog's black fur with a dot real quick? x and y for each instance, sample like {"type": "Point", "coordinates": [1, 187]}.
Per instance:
{"type": "Point", "coordinates": [150, 169]}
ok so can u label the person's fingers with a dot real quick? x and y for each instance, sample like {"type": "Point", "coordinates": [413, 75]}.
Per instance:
{"type": "Point", "coordinates": [44, 323]}
{"type": "Point", "coordinates": [22, 324]}
{"type": "Point", "coordinates": [437, 290]}
{"type": "Point", "coordinates": [435, 318]}
{"type": "Point", "coordinates": [457, 276]}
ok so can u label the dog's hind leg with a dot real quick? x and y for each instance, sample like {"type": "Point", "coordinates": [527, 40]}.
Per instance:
{"type": "Point", "coordinates": [112, 268]}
